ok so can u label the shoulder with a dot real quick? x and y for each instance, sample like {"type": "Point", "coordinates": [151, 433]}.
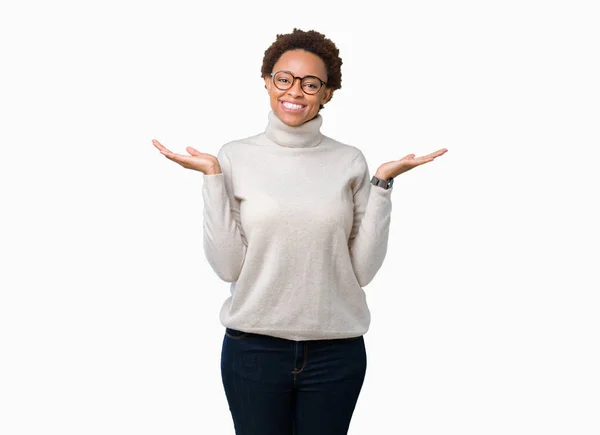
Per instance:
{"type": "Point", "coordinates": [234, 147]}
{"type": "Point", "coordinates": [350, 153]}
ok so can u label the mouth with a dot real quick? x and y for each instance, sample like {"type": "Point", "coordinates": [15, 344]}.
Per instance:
{"type": "Point", "coordinates": [292, 107]}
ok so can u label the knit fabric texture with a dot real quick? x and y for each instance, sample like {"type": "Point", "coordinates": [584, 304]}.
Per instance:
{"type": "Point", "coordinates": [295, 226]}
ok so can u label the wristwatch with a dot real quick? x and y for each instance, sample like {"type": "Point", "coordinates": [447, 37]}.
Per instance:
{"type": "Point", "coordinates": [386, 184]}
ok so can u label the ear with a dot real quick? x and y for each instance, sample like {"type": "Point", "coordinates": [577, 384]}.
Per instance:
{"type": "Point", "coordinates": [268, 83]}
{"type": "Point", "coordinates": [327, 95]}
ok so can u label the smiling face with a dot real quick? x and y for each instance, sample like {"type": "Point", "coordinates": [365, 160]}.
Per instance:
{"type": "Point", "coordinates": [300, 63]}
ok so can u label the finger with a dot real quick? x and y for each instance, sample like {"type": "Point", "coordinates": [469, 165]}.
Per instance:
{"type": "Point", "coordinates": [177, 159]}
{"type": "Point", "coordinates": [167, 153]}
{"type": "Point", "coordinates": [170, 156]}
{"type": "Point", "coordinates": [158, 145]}
{"type": "Point", "coordinates": [181, 159]}
{"type": "Point", "coordinates": [437, 153]}
{"type": "Point", "coordinates": [420, 160]}
{"type": "Point", "coordinates": [431, 156]}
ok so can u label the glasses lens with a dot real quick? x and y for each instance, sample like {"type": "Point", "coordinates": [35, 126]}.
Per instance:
{"type": "Point", "coordinates": [283, 80]}
{"type": "Point", "coordinates": [311, 85]}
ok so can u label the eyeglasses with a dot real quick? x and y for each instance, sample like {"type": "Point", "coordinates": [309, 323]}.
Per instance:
{"type": "Point", "coordinates": [284, 80]}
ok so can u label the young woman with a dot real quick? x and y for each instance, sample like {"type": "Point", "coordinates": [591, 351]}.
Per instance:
{"type": "Point", "coordinates": [293, 220]}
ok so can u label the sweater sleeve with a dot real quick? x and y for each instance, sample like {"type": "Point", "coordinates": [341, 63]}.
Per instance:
{"type": "Point", "coordinates": [370, 230]}
{"type": "Point", "coordinates": [224, 241]}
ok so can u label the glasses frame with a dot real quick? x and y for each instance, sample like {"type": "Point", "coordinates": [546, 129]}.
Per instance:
{"type": "Point", "coordinates": [294, 81]}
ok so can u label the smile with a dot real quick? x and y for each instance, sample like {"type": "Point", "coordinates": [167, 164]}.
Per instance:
{"type": "Point", "coordinates": [291, 107]}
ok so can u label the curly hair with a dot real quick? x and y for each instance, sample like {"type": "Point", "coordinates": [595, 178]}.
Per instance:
{"type": "Point", "coordinates": [311, 41]}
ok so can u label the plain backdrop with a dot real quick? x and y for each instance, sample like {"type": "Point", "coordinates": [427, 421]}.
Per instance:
{"type": "Point", "coordinates": [485, 311]}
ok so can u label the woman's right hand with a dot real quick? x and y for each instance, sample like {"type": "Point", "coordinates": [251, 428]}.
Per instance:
{"type": "Point", "coordinates": [206, 163]}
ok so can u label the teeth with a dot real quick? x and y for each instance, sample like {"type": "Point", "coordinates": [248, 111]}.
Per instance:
{"type": "Point", "coordinates": [292, 106]}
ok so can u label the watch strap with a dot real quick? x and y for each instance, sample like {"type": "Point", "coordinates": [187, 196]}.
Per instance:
{"type": "Point", "coordinates": [386, 184]}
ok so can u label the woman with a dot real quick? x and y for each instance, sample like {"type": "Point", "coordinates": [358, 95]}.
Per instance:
{"type": "Point", "coordinates": [294, 223]}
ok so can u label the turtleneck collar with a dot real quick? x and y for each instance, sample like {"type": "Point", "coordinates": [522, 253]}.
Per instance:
{"type": "Point", "coordinates": [306, 135]}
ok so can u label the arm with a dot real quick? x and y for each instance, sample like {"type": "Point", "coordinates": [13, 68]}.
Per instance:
{"type": "Point", "coordinates": [224, 241]}
{"type": "Point", "coordinates": [370, 230]}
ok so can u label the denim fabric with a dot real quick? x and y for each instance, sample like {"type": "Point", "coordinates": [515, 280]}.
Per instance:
{"type": "Point", "coordinates": [276, 386]}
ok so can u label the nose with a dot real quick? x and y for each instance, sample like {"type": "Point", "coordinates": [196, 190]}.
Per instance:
{"type": "Point", "coordinates": [296, 89]}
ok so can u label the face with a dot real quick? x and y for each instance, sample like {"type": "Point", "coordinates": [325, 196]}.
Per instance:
{"type": "Point", "coordinates": [300, 63]}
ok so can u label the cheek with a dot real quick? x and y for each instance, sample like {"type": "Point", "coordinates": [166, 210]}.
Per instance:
{"type": "Point", "coordinates": [275, 93]}
{"type": "Point", "coordinates": [316, 102]}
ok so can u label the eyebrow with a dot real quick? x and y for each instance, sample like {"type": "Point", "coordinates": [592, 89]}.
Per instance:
{"type": "Point", "coordinates": [307, 75]}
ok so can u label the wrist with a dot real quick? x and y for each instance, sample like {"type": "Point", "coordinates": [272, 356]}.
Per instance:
{"type": "Point", "coordinates": [384, 183]}
{"type": "Point", "coordinates": [214, 170]}
{"type": "Point", "coordinates": [382, 175]}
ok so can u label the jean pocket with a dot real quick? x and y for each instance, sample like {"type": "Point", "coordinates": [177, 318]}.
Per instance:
{"type": "Point", "coordinates": [236, 334]}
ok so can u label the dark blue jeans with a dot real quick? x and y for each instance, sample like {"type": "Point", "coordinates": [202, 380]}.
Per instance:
{"type": "Point", "coordinates": [276, 386]}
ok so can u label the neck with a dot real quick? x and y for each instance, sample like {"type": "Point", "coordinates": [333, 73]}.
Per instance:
{"type": "Point", "coordinates": [305, 135]}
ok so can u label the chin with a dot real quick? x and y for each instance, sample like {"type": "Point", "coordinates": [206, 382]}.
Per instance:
{"type": "Point", "coordinates": [295, 119]}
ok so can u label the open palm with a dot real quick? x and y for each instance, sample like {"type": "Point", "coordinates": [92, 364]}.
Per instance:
{"type": "Point", "coordinates": [199, 161]}
{"type": "Point", "coordinates": [396, 167]}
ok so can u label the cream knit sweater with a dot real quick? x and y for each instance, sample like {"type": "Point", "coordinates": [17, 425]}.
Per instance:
{"type": "Point", "coordinates": [296, 227]}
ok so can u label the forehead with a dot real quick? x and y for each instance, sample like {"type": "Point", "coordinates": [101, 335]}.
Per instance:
{"type": "Point", "coordinates": [301, 63]}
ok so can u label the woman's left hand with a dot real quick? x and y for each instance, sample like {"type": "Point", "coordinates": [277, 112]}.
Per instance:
{"type": "Point", "coordinates": [396, 167]}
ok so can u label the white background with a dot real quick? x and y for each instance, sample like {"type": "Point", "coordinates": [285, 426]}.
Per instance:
{"type": "Point", "coordinates": [485, 312]}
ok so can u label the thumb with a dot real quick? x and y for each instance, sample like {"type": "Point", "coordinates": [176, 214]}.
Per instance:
{"type": "Point", "coordinates": [193, 151]}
